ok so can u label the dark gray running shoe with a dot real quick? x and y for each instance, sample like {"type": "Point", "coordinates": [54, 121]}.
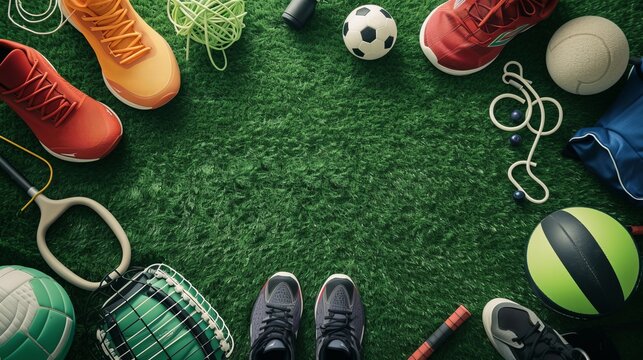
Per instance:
{"type": "Point", "coordinates": [275, 319]}
{"type": "Point", "coordinates": [339, 319]}
{"type": "Point", "coordinates": [518, 334]}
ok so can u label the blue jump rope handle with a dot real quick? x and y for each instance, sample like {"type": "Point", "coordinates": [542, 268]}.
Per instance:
{"type": "Point", "coordinates": [15, 175]}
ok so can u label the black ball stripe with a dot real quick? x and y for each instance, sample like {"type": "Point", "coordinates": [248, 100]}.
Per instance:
{"type": "Point", "coordinates": [584, 260]}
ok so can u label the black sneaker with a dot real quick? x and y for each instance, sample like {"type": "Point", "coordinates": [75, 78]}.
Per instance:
{"type": "Point", "coordinates": [518, 334]}
{"type": "Point", "coordinates": [275, 319]}
{"type": "Point", "coordinates": [339, 319]}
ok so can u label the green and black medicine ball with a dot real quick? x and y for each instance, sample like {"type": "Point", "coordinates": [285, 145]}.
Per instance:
{"type": "Point", "coordinates": [582, 262]}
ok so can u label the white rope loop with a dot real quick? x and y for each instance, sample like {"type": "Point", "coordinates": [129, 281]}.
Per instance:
{"type": "Point", "coordinates": [34, 18]}
{"type": "Point", "coordinates": [529, 97]}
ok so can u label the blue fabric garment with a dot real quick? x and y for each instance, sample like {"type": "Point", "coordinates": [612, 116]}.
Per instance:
{"type": "Point", "coordinates": [613, 148]}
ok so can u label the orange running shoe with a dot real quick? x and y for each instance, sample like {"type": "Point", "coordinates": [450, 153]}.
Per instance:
{"type": "Point", "coordinates": [138, 65]}
{"type": "Point", "coordinates": [69, 124]}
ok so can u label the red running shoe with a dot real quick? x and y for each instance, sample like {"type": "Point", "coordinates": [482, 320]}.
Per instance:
{"type": "Point", "coordinates": [461, 37]}
{"type": "Point", "coordinates": [69, 124]}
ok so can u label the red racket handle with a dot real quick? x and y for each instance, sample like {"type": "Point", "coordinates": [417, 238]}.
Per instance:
{"type": "Point", "coordinates": [438, 337]}
{"type": "Point", "coordinates": [636, 230]}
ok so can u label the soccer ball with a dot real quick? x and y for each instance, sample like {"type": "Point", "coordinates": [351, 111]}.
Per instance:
{"type": "Point", "coordinates": [36, 316]}
{"type": "Point", "coordinates": [369, 32]}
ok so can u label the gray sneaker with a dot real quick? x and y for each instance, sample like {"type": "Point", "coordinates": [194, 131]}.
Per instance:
{"type": "Point", "coordinates": [518, 334]}
{"type": "Point", "coordinates": [339, 319]}
{"type": "Point", "coordinates": [275, 319]}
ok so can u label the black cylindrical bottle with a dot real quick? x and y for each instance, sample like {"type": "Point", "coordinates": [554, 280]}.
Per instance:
{"type": "Point", "coordinates": [299, 12]}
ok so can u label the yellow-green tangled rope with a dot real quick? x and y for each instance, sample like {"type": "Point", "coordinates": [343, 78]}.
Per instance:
{"type": "Point", "coordinates": [216, 24]}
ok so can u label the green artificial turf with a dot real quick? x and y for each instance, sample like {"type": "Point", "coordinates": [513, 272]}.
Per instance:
{"type": "Point", "coordinates": [302, 158]}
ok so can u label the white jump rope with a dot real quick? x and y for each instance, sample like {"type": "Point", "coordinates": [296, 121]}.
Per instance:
{"type": "Point", "coordinates": [35, 17]}
{"type": "Point", "coordinates": [530, 97]}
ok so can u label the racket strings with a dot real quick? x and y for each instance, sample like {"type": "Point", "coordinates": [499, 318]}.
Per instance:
{"type": "Point", "coordinates": [146, 326]}
{"type": "Point", "coordinates": [116, 327]}
{"type": "Point", "coordinates": [151, 332]}
{"type": "Point", "coordinates": [203, 306]}
{"type": "Point", "coordinates": [126, 301]}
{"type": "Point", "coordinates": [187, 318]}
{"type": "Point", "coordinates": [169, 294]}
{"type": "Point", "coordinates": [180, 337]}
{"type": "Point", "coordinates": [218, 335]}
{"type": "Point", "coordinates": [133, 310]}
{"type": "Point", "coordinates": [51, 171]}
{"type": "Point", "coordinates": [195, 303]}
{"type": "Point", "coordinates": [139, 318]}
{"type": "Point", "coordinates": [173, 285]}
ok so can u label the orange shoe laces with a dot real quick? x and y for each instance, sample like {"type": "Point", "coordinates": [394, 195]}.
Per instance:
{"type": "Point", "coordinates": [116, 27]}
{"type": "Point", "coordinates": [58, 114]}
{"type": "Point", "coordinates": [503, 12]}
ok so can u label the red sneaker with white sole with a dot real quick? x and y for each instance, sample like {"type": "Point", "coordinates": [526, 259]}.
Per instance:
{"type": "Point", "coordinates": [69, 124]}
{"type": "Point", "coordinates": [461, 37]}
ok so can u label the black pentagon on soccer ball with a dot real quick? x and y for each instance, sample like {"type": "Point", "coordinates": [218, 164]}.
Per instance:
{"type": "Point", "coordinates": [389, 42]}
{"type": "Point", "coordinates": [368, 34]}
{"type": "Point", "coordinates": [363, 11]}
{"type": "Point", "coordinates": [358, 52]}
{"type": "Point", "coordinates": [345, 28]}
{"type": "Point", "coordinates": [385, 13]}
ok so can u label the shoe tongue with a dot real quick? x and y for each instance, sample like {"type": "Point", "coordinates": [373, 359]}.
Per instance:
{"type": "Point", "coordinates": [100, 7]}
{"type": "Point", "coordinates": [95, 7]}
{"type": "Point", "coordinates": [548, 355]}
{"type": "Point", "coordinates": [340, 346]}
{"type": "Point", "coordinates": [340, 300]}
{"type": "Point", "coordinates": [559, 352]}
{"type": "Point", "coordinates": [14, 69]}
{"type": "Point", "coordinates": [275, 345]}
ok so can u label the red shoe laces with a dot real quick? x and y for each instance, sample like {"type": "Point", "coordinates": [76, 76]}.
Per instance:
{"type": "Point", "coordinates": [502, 13]}
{"type": "Point", "coordinates": [116, 27]}
{"type": "Point", "coordinates": [26, 93]}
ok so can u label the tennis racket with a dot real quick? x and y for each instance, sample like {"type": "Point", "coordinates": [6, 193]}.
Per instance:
{"type": "Point", "coordinates": [50, 211]}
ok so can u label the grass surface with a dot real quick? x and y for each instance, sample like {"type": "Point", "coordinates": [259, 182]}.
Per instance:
{"type": "Point", "coordinates": [302, 158]}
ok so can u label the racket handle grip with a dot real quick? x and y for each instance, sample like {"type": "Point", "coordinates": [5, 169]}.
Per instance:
{"type": "Point", "coordinates": [441, 335]}
{"type": "Point", "coordinates": [458, 318]}
{"type": "Point", "coordinates": [636, 230]}
{"type": "Point", "coordinates": [15, 175]}
{"type": "Point", "coordinates": [422, 353]}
